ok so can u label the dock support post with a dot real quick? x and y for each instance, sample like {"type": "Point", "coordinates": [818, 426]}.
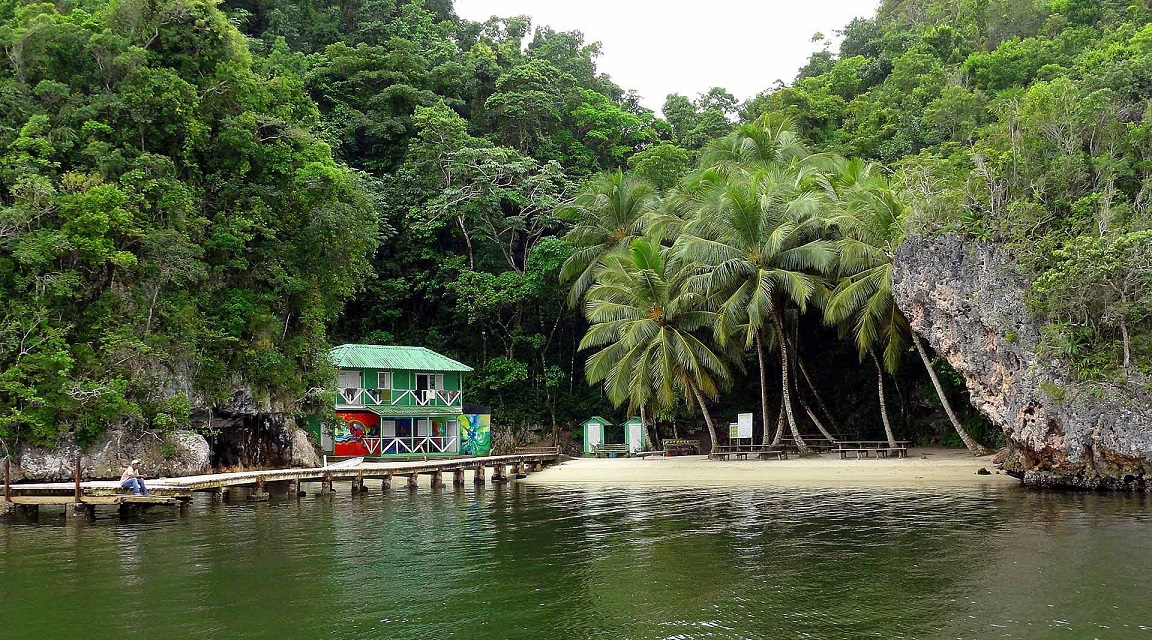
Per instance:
{"type": "Point", "coordinates": [219, 494]}
{"type": "Point", "coordinates": [293, 487]}
{"type": "Point", "coordinates": [386, 483]}
{"type": "Point", "coordinates": [498, 474]}
{"type": "Point", "coordinates": [358, 484]}
{"type": "Point", "coordinates": [538, 467]}
{"type": "Point", "coordinates": [437, 480]}
{"type": "Point", "coordinates": [80, 511]}
{"type": "Point", "coordinates": [518, 471]}
{"type": "Point", "coordinates": [326, 484]}
{"type": "Point", "coordinates": [458, 478]}
{"type": "Point", "coordinates": [76, 476]}
{"type": "Point", "coordinates": [478, 475]}
{"type": "Point", "coordinates": [412, 481]}
{"type": "Point", "coordinates": [8, 480]}
{"type": "Point", "coordinates": [260, 493]}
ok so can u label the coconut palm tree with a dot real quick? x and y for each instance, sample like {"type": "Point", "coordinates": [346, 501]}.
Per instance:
{"type": "Point", "coordinates": [753, 247]}
{"type": "Point", "coordinates": [643, 320]}
{"type": "Point", "coordinates": [869, 229]}
{"type": "Point", "coordinates": [606, 216]}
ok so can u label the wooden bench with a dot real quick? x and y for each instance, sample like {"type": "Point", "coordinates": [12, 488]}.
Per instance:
{"type": "Point", "coordinates": [881, 452]}
{"type": "Point", "coordinates": [538, 450]}
{"type": "Point", "coordinates": [680, 447]}
{"type": "Point", "coordinates": [609, 449]}
{"type": "Point", "coordinates": [761, 451]}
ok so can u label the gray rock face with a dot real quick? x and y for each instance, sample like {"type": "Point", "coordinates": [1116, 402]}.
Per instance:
{"type": "Point", "coordinates": [967, 300]}
{"type": "Point", "coordinates": [176, 454]}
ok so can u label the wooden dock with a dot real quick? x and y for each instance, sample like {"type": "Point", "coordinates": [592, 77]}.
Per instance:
{"type": "Point", "coordinates": [81, 497]}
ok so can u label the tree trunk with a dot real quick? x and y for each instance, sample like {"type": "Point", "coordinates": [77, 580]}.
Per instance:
{"type": "Point", "coordinates": [786, 384]}
{"type": "Point", "coordinates": [763, 387]}
{"type": "Point", "coordinates": [652, 439]}
{"type": "Point", "coordinates": [707, 417]}
{"type": "Point", "coordinates": [819, 399]}
{"type": "Point", "coordinates": [780, 423]}
{"type": "Point", "coordinates": [883, 401]}
{"type": "Point", "coordinates": [975, 447]}
{"type": "Point", "coordinates": [813, 418]}
{"type": "Point", "coordinates": [1127, 347]}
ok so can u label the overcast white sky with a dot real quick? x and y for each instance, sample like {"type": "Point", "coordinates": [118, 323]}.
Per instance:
{"type": "Point", "coordinates": [659, 47]}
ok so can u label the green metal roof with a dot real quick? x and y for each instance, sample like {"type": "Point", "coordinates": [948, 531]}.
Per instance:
{"type": "Point", "coordinates": [386, 411]}
{"type": "Point", "coordinates": [600, 420]}
{"type": "Point", "coordinates": [371, 356]}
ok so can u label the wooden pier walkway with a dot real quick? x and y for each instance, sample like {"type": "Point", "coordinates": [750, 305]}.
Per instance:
{"type": "Point", "coordinates": [83, 496]}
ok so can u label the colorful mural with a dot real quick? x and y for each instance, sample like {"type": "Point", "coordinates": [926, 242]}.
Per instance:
{"type": "Point", "coordinates": [475, 434]}
{"type": "Point", "coordinates": [350, 431]}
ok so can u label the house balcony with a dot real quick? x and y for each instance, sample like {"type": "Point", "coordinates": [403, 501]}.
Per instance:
{"type": "Point", "coordinates": [351, 397]}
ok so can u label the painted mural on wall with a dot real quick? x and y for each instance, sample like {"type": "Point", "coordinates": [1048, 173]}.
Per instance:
{"type": "Point", "coordinates": [351, 431]}
{"type": "Point", "coordinates": [475, 434]}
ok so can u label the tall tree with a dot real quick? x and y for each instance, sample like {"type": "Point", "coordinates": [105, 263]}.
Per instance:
{"type": "Point", "coordinates": [645, 321]}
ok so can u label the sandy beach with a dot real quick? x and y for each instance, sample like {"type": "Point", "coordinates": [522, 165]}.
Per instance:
{"type": "Point", "coordinates": [924, 467]}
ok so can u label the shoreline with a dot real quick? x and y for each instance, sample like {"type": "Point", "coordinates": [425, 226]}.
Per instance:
{"type": "Point", "coordinates": [924, 467]}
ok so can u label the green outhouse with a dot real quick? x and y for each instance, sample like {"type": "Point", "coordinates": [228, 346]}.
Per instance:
{"type": "Point", "coordinates": [635, 435]}
{"type": "Point", "coordinates": [595, 429]}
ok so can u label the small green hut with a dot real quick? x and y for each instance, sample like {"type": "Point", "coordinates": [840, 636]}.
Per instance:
{"type": "Point", "coordinates": [635, 435]}
{"type": "Point", "coordinates": [595, 429]}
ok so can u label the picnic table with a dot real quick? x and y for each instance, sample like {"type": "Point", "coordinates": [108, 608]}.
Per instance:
{"type": "Point", "coordinates": [742, 451]}
{"type": "Point", "coordinates": [817, 443]}
{"type": "Point", "coordinates": [870, 448]}
{"type": "Point", "coordinates": [680, 447]}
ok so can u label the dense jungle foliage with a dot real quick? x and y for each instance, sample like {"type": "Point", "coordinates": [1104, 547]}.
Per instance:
{"type": "Point", "coordinates": [198, 197]}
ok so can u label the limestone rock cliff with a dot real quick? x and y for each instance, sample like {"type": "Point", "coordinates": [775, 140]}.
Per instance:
{"type": "Point", "coordinates": [968, 301]}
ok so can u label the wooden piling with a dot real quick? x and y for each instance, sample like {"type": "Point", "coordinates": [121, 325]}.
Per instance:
{"type": "Point", "coordinates": [478, 476]}
{"type": "Point", "coordinates": [386, 483]}
{"type": "Point", "coordinates": [260, 493]}
{"type": "Point", "coordinates": [498, 474]}
{"type": "Point", "coordinates": [458, 478]}
{"type": "Point", "coordinates": [326, 484]}
{"type": "Point", "coordinates": [437, 480]}
{"type": "Point", "coordinates": [538, 467]}
{"type": "Point", "coordinates": [81, 511]}
{"type": "Point", "coordinates": [358, 484]}
{"type": "Point", "coordinates": [8, 480]}
{"type": "Point", "coordinates": [77, 495]}
{"type": "Point", "coordinates": [412, 481]}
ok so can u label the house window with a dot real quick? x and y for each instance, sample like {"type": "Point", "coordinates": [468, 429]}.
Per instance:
{"type": "Point", "coordinates": [349, 379]}
{"type": "Point", "coordinates": [385, 380]}
{"type": "Point", "coordinates": [426, 381]}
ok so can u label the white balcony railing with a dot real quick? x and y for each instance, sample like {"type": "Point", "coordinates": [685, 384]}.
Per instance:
{"type": "Point", "coordinates": [403, 445]}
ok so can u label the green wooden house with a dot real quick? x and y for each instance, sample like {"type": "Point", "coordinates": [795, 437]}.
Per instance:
{"type": "Point", "coordinates": [635, 435]}
{"type": "Point", "coordinates": [595, 432]}
{"type": "Point", "coordinates": [401, 401]}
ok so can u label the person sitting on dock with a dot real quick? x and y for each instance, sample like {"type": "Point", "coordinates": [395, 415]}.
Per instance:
{"type": "Point", "coordinates": [131, 479]}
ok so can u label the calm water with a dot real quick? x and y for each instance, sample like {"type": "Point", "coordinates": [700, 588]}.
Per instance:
{"type": "Point", "coordinates": [524, 562]}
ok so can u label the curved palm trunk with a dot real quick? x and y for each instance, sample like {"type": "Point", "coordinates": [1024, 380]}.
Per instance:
{"type": "Point", "coordinates": [786, 385]}
{"type": "Point", "coordinates": [813, 418]}
{"type": "Point", "coordinates": [819, 399]}
{"type": "Point", "coordinates": [779, 427]}
{"type": "Point", "coordinates": [707, 417]}
{"type": "Point", "coordinates": [883, 401]}
{"type": "Point", "coordinates": [763, 387]}
{"type": "Point", "coordinates": [975, 447]}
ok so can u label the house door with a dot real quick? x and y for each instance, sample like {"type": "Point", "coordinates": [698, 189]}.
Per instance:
{"type": "Point", "coordinates": [595, 436]}
{"type": "Point", "coordinates": [635, 437]}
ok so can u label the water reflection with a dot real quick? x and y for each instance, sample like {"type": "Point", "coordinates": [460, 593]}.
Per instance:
{"type": "Point", "coordinates": [547, 562]}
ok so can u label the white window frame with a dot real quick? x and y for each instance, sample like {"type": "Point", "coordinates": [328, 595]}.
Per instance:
{"type": "Point", "coordinates": [381, 376]}
{"type": "Point", "coordinates": [347, 375]}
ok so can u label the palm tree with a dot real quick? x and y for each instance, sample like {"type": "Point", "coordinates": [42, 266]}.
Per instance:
{"type": "Point", "coordinates": [868, 223]}
{"type": "Point", "coordinates": [753, 247]}
{"type": "Point", "coordinates": [606, 216]}
{"type": "Point", "coordinates": [643, 320]}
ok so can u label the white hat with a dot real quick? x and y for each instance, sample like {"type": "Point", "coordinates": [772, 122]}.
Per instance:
{"type": "Point", "coordinates": [136, 461]}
